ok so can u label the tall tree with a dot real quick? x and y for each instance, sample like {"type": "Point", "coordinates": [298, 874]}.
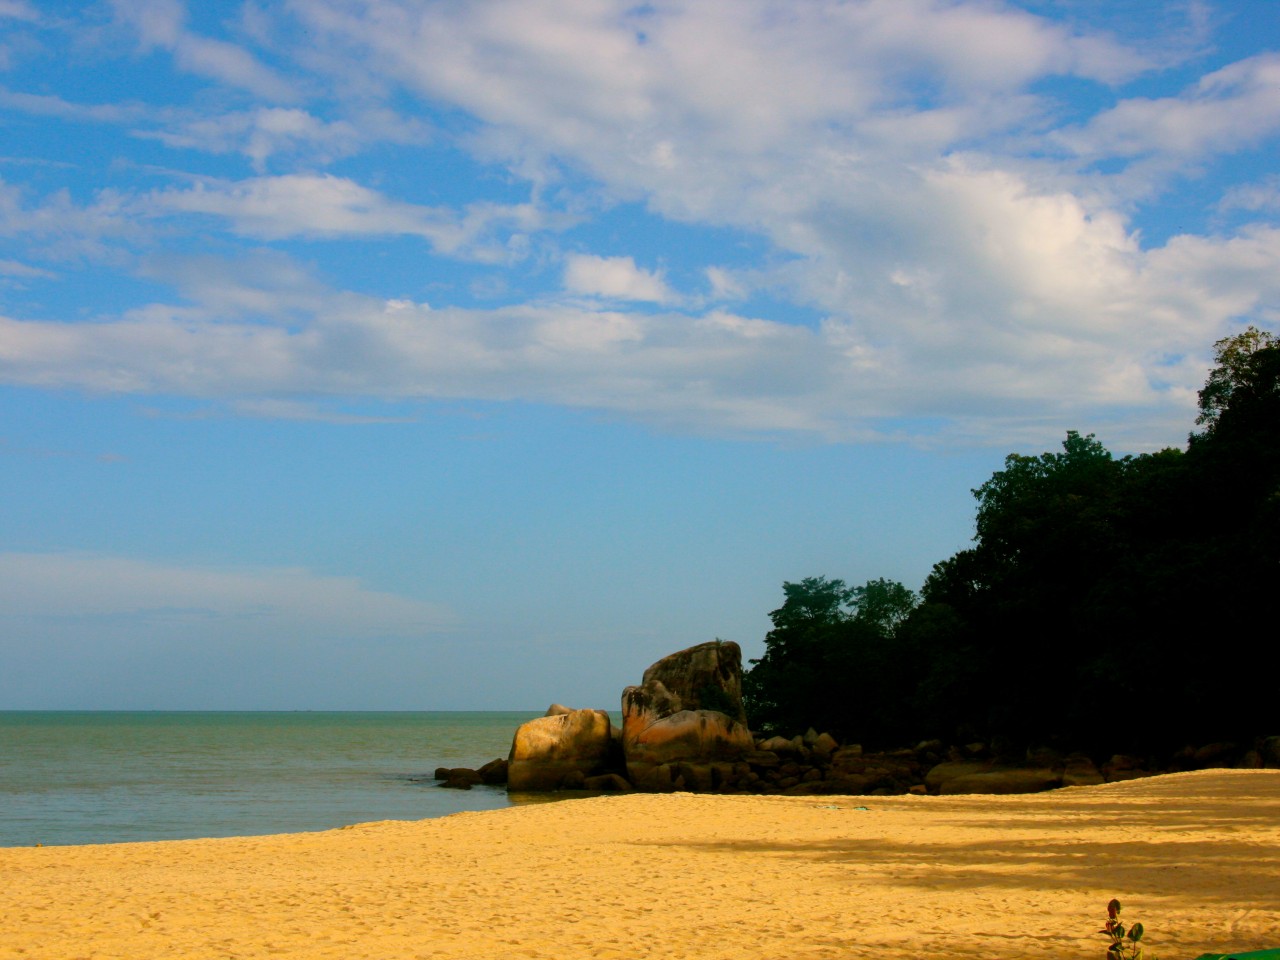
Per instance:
{"type": "Point", "coordinates": [1243, 386]}
{"type": "Point", "coordinates": [829, 660]}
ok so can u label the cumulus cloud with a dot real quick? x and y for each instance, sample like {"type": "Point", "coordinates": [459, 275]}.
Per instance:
{"type": "Point", "coordinates": [958, 254]}
{"type": "Point", "coordinates": [615, 278]}
{"type": "Point", "coordinates": [880, 149]}
{"type": "Point", "coordinates": [1230, 108]}
{"type": "Point", "coordinates": [1056, 350]}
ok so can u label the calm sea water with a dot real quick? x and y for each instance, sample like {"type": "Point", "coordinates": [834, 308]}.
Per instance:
{"type": "Point", "coordinates": [112, 777]}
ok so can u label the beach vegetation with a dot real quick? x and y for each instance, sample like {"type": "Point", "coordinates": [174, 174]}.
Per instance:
{"type": "Point", "coordinates": [1126, 942]}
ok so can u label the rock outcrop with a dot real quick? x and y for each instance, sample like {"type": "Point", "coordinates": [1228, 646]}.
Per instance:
{"type": "Point", "coordinates": [684, 726]}
{"type": "Point", "coordinates": [560, 750]}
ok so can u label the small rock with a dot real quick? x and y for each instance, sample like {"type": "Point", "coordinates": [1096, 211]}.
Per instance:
{"type": "Point", "coordinates": [777, 745]}
{"type": "Point", "coordinates": [825, 745]}
{"type": "Point", "coordinates": [459, 778]}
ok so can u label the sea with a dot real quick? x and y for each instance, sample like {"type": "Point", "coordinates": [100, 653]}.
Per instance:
{"type": "Point", "coordinates": [113, 777]}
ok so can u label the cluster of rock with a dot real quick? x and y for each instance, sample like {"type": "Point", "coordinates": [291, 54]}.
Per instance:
{"type": "Point", "coordinates": [493, 773]}
{"type": "Point", "coordinates": [684, 728]}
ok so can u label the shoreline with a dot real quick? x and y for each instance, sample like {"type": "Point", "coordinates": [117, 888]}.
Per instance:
{"type": "Point", "coordinates": [1194, 856]}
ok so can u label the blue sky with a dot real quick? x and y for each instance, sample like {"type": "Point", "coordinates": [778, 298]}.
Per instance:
{"type": "Point", "coordinates": [368, 354]}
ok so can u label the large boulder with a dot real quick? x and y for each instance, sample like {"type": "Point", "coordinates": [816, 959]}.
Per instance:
{"type": "Point", "coordinates": [685, 722]}
{"type": "Point", "coordinates": [559, 750]}
{"type": "Point", "coordinates": [704, 677]}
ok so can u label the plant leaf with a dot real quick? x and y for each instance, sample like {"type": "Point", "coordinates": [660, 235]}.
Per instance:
{"type": "Point", "coordinates": [1113, 909]}
{"type": "Point", "coordinates": [1135, 932]}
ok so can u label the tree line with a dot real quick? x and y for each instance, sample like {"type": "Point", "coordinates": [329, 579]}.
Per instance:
{"type": "Point", "coordinates": [1106, 604]}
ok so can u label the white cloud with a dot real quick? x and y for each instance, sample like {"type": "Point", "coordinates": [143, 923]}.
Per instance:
{"type": "Point", "coordinates": [676, 98]}
{"type": "Point", "coordinates": [162, 23]}
{"type": "Point", "coordinates": [267, 132]}
{"type": "Point", "coordinates": [887, 154]}
{"type": "Point", "coordinates": [12, 268]}
{"type": "Point", "coordinates": [615, 278]}
{"type": "Point", "coordinates": [273, 208]}
{"type": "Point", "coordinates": [1261, 196]}
{"type": "Point", "coordinates": [994, 357]}
{"type": "Point", "coordinates": [320, 206]}
{"type": "Point", "coordinates": [19, 10]}
{"type": "Point", "coordinates": [1230, 108]}
{"type": "Point", "coordinates": [266, 604]}
{"type": "Point", "coordinates": [63, 228]}
{"type": "Point", "coordinates": [48, 105]}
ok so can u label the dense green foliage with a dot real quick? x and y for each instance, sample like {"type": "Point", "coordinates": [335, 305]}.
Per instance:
{"type": "Point", "coordinates": [830, 655]}
{"type": "Point", "coordinates": [1106, 603]}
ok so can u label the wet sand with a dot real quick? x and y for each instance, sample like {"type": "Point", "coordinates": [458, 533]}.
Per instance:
{"type": "Point", "coordinates": [1195, 857]}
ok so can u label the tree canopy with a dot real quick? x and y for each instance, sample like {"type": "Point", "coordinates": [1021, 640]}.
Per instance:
{"type": "Point", "coordinates": [1106, 603]}
{"type": "Point", "coordinates": [828, 651]}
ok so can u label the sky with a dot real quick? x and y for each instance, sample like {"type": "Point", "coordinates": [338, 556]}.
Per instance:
{"type": "Point", "coordinates": [377, 354]}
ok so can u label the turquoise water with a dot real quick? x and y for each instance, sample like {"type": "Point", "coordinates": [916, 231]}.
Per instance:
{"type": "Point", "coordinates": [68, 777]}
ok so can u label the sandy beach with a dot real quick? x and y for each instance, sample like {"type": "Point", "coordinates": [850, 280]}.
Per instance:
{"type": "Point", "coordinates": [1195, 857]}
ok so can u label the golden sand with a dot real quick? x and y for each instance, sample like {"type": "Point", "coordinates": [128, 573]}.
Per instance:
{"type": "Point", "coordinates": [1194, 856]}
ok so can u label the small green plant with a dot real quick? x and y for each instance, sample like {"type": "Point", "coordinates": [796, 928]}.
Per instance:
{"type": "Point", "coordinates": [1124, 942]}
